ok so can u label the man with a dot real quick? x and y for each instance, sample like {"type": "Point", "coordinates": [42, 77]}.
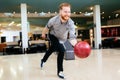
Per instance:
{"type": "Point", "coordinates": [58, 28]}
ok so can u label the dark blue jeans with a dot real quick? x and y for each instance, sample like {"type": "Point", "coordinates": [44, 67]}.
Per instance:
{"type": "Point", "coordinates": [55, 46]}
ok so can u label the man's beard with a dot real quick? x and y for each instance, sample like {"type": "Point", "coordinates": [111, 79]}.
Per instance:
{"type": "Point", "coordinates": [63, 17]}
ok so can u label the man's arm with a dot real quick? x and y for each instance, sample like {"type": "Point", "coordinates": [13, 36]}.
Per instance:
{"type": "Point", "coordinates": [45, 30]}
{"type": "Point", "coordinates": [72, 36]}
{"type": "Point", "coordinates": [73, 42]}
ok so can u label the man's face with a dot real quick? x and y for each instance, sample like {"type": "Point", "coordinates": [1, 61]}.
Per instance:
{"type": "Point", "coordinates": [65, 13]}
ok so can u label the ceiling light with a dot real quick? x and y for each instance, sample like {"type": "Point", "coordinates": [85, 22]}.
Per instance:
{"type": "Point", "coordinates": [28, 12]}
{"type": "Point", "coordinates": [8, 14]}
{"type": "Point", "coordinates": [103, 12]}
{"type": "Point", "coordinates": [35, 12]}
{"type": "Point", "coordinates": [11, 23]}
{"type": "Point", "coordinates": [116, 15]}
{"type": "Point", "coordinates": [55, 12]}
{"type": "Point", "coordinates": [88, 14]}
{"type": "Point", "coordinates": [74, 12]}
{"type": "Point", "coordinates": [18, 25]}
{"type": "Point", "coordinates": [102, 17]}
{"type": "Point", "coordinates": [14, 12]}
{"type": "Point", "coordinates": [49, 12]}
{"type": "Point", "coordinates": [42, 14]}
{"type": "Point", "coordinates": [76, 26]}
{"type": "Point", "coordinates": [91, 8]}
{"type": "Point", "coordinates": [80, 12]}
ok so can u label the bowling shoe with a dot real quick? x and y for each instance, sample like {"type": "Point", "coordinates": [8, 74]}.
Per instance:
{"type": "Point", "coordinates": [42, 64]}
{"type": "Point", "coordinates": [61, 75]}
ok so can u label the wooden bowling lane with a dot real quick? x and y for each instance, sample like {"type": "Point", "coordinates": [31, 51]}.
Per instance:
{"type": "Point", "coordinates": [102, 64]}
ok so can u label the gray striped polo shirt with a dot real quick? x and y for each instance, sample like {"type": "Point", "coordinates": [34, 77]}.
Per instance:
{"type": "Point", "coordinates": [60, 30]}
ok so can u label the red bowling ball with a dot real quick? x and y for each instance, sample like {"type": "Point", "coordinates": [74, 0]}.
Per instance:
{"type": "Point", "coordinates": [82, 49]}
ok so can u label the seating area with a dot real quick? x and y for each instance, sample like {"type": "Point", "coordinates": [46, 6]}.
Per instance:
{"type": "Point", "coordinates": [11, 48]}
{"type": "Point", "coordinates": [111, 43]}
{"type": "Point", "coordinates": [35, 46]}
{"type": "Point", "coordinates": [2, 46]}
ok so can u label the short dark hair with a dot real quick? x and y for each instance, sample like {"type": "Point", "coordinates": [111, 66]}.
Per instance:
{"type": "Point", "coordinates": [64, 5]}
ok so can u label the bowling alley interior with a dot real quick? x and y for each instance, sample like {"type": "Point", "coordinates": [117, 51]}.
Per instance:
{"type": "Point", "coordinates": [97, 22]}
